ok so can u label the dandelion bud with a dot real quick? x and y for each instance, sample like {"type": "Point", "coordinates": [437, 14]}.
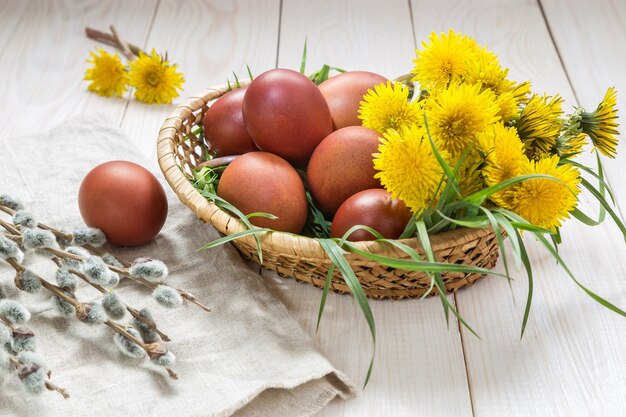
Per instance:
{"type": "Point", "coordinates": [32, 373]}
{"type": "Point", "coordinates": [146, 331]}
{"type": "Point", "coordinates": [37, 239]}
{"type": "Point", "coordinates": [167, 296]}
{"type": "Point", "coordinates": [62, 306]}
{"type": "Point", "coordinates": [111, 260]}
{"type": "Point", "coordinates": [96, 270]}
{"type": "Point", "coordinates": [127, 346]}
{"type": "Point", "coordinates": [24, 218]}
{"type": "Point", "coordinates": [113, 306]}
{"type": "Point", "coordinates": [74, 264]}
{"type": "Point", "coordinates": [23, 340]}
{"type": "Point", "coordinates": [27, 281]}
{"type": "Point", "coordinates": [91, 313]}
{"type": "Point", "coordinates": [149, 269]}
{"type": "Point", "coordinates": [10, 202]}
{"type": "Point", "coordinates": [10, 250]}
{"type": "Point", "coordinates": [89, 236]}
{"type": "Point", "coordinates": [13, 311]}
{"type": "Point", "coordinates": [65, 279]}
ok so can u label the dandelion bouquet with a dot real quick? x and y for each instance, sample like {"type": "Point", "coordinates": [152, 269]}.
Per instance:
{"type": "Point", "coordinates": [463, 147]}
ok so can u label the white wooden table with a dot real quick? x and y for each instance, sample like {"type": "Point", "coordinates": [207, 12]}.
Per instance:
{"type": "Point", "coordinates": [571, 361]}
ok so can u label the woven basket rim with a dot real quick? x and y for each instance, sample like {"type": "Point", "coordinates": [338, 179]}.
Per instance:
{"type": "Point", "coordinates": [298, 245]}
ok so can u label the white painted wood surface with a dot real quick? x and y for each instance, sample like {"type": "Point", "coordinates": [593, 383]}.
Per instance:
{"type": "Point", "coordinates": [570, 362]}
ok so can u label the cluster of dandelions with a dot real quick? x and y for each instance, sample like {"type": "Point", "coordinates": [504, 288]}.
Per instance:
{"type": "Point", "coordinates": [153, 77]}
{"type": "Point", "coordinates": [77, 257]}
{"type": "Point", "coordinates": [486, 127]}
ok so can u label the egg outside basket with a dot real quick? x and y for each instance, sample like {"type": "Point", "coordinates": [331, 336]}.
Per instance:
{"type": "Point", "coordinates": [180, 150]}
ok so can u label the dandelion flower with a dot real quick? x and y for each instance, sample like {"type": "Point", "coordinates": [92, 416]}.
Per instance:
{"type": "Point", "coordinates": [107, 75]}
{"type": "Point", "coordinates": [387, 107]}
{"type": "Point", "coordinates": [457, 114]}
{"type": "Point", "coordinates": [544, 202]}
{"type": "Point", "coordinates": [155, 79]}
{"type": "Point", "coordinates": [408, 167]}
{"type": "Point", "coordinates": [507, 104]}
{"type": "Point", "coordinates": [487, 71]}
{"type": "Point", "coordinates": [504, 157]}
{"type": "Point", "coordinates": [601, 125]}
{"type": "Point", "coordinates": [443, 60]}
{"type": "Point", "coordinates": [539, 125]}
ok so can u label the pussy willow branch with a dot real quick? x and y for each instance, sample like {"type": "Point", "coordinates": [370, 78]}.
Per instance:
{"type": "Point", "coordinates": [58, 292]}
{"type": "Point", "coordinates": [121, 44]}
{"type": "Point", "coordinates": [122, 271]}
{"type": "Point", "coordinates": [109, 39]}
{"type": "Point", "coordinates": [49, 385]}
{"type": "Point", "coordinates": [133, 311]}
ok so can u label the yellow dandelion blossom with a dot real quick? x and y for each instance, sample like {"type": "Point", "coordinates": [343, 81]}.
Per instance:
{"type": "Point", "coordinates": [470, 179]}
{"type": "Point", "coordinates": [407, 167]}
{"type": "Point", "coordinates": [443, 60]}
{"type": "Point", "coordinates": [507, 104]}
{"type": "Point", "coordinates": [504, 156]}
{"type": "Point", "coordinates": [155, 79]}
{"type": "Point", "coordinates": [387, 107]}
{"type": "Point", "coordinates": [545, 202]}
{"type": "Point", "coordinates": [601, 125]}
{"type": "Point", "coordinates": [521, 92]}
{"type": "Point", "coordinates": [539, 125]}
{"type": "Point", "coordinates": [486, 70]}
{"type": "Point", "coordinates": [107, 75]}
{"type": "Point", "coordinates": [457, 114]}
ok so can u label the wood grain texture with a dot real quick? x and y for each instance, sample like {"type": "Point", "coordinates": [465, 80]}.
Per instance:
{"type": "Point", "coordinates": [568, 362]}
{"type": "Point", "coordinates": [209, 40]}
{"type": "Point", "coordinates": [419, 362]}
{"type": "Point", "coordinates": [42, 59]}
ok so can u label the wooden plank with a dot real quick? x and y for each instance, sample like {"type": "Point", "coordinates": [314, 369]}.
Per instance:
{"type": "Point", "coordinates": [42, 59]}
{"type": "Point", "coordinates": [570, 360]}
{"type": "Point", "coordinates": [208, 40]}
{"type": "Point", "coordinates": [419, 363]}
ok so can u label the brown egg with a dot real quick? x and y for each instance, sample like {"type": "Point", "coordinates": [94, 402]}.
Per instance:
{"type": "Point", "coordinates": [344, 92]}
{"type": "Point", "coordinates": [286, 114]}
{"type": "Point", "coordinates": [374, 208]}
{"type": "Point", "coordinates": [264, 182]}
{"type": "Point", "coordinates": [224, 130]}
{"type": "Point", "coordinates": [342, 166]}
{"type": "Point", "coordinates": [125, 201]}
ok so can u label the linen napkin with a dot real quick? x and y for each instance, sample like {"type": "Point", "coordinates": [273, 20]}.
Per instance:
{"type": "Point", "coordinates": [246, 357]}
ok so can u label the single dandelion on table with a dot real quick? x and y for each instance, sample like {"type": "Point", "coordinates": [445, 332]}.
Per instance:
{"type": "Point", "coordinates": [107, 75]}
{"type": "Point", "coordinates": [154, 78]}
{"type": "Point", "coordinates": [407, 166]}
{"type": "Point", "coordinates": [386, 107]}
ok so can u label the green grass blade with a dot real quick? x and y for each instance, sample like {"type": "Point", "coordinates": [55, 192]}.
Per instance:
{"type": "Point", "coordinates": [529, 273]}
{"type": "Point", "coordinates": [479, 197]}
{"type": "Point", "coordinates": [249, 73]}
{"type": "Point", "coordinates": [422, 234]}
{"type": "Point", "coordinates": [444, 165]}
{"type": "Point", "coordinates": [477, 222]}
{"type": "Point", "coordinates": [237, 83]}
{"type": "Point", "coordinates": [599, 176]}
{"type": "Point", "coordinates": [234, 236]}
{"type": "Point", "coordinates": [336, 255]}
{"type": "Point", "coordinates": [583, 218]}
{"type": "Point", "coordinates": [606, 205]}
{"type": "Point", "coordinates": [329, 275]}
{"type": "Point", "coordinates": [261, 214]}
{"type": "Point", "coordinates": [303, 61]}
{"type": "Point", "coordinates": [500, 239]}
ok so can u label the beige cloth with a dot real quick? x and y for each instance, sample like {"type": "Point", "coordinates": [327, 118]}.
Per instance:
{"type": "Point", "coordinates": [247, 356]}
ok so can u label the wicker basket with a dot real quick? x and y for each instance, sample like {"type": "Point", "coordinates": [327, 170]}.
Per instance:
{"type": "Point", "coordinates": [180, 150]}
